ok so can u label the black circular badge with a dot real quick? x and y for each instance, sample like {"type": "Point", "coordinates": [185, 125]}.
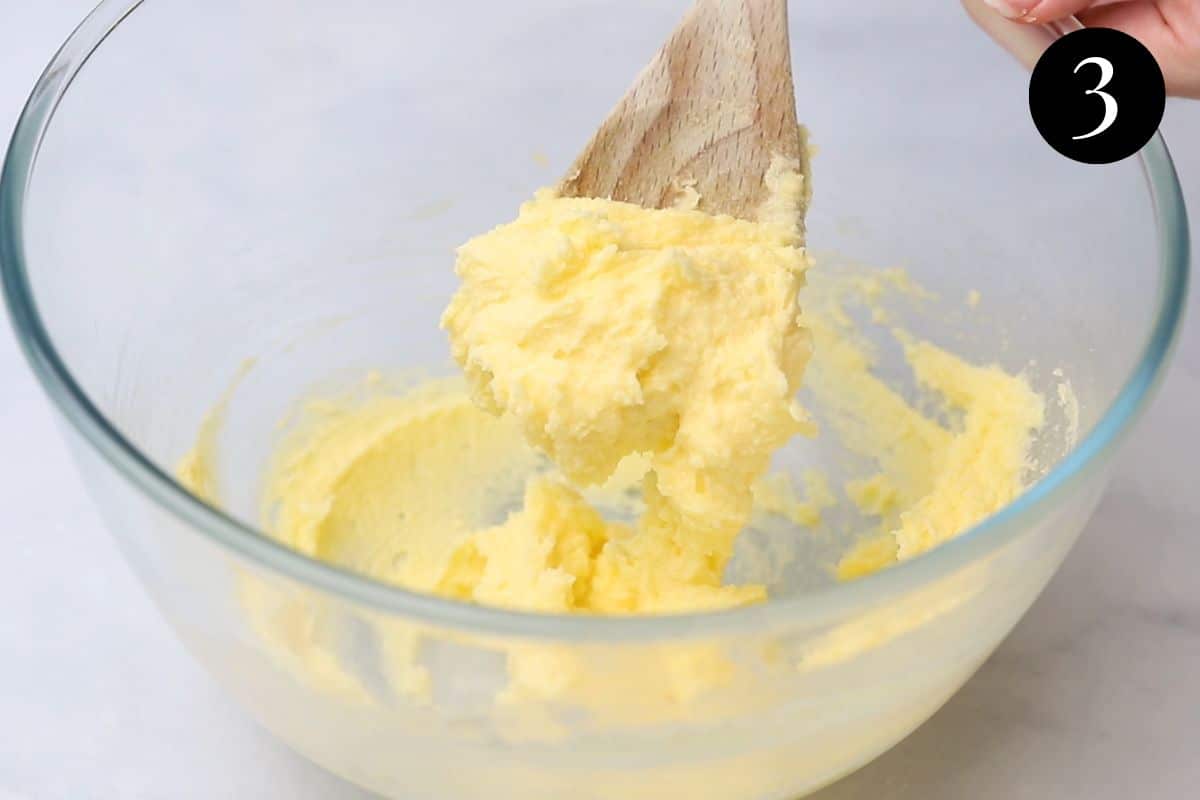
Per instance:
{"type": "Point", "coordinates": [1097, 95]}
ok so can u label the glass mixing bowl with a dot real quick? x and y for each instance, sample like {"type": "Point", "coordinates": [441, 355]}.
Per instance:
{"type": "Point", "coordinates": [192, 185]}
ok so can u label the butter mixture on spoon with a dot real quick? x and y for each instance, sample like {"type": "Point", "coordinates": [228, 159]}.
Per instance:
{"type": "Point", "coordinates": [609, 331]}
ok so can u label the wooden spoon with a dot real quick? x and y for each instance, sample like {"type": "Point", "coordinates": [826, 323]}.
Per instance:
{"type": "Point", "coordinates": [710, 111]}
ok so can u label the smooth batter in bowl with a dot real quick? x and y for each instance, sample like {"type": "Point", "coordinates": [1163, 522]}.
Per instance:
{"type": "Point", "coordinates": [165, 215]}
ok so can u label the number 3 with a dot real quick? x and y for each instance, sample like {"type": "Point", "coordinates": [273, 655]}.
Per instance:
{"type": "Point", "coordinates": [1110, 103]}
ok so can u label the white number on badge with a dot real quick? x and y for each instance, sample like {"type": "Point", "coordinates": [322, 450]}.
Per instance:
{"type": "Point", "coordinates": [1110, 102]}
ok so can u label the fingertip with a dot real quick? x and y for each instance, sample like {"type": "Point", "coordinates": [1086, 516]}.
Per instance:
{"type": "Point", "coordinates": [1178, 60]}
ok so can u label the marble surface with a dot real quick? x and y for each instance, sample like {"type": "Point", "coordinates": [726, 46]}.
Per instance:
{"type": "Point", "coordinates": [1095, 694]}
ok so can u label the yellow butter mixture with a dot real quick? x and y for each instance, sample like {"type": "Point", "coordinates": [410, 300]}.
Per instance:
{"type": "Point", "coordinates": [629, 374]}
{"type": "Point", "coordinates": [607, 331]}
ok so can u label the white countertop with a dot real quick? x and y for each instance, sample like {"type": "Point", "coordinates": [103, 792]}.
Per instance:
{"type": "Point", "coordinates": [1096, 694]}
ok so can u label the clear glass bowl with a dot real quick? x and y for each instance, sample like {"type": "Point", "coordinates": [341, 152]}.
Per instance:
{"type": "Point", "coordinates": [191, 185]}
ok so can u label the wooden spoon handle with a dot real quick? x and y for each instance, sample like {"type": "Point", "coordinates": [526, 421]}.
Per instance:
{"type": "Point", "coordinates": [709, 111]}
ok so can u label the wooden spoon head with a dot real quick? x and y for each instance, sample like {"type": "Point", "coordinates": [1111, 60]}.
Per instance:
{"type": "Point", "coordinates": [710, 112]}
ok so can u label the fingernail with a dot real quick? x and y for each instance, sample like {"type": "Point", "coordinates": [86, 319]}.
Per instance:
{"type": "Point", "coordinates": [1013, 9]}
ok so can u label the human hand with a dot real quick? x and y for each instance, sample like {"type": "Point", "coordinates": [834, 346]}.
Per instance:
{"type": "Point", "coordinates": [1170, 29]}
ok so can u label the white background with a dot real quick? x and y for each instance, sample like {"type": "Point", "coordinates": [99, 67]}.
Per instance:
{"type": "Point", "coordinates": [1096, 694]}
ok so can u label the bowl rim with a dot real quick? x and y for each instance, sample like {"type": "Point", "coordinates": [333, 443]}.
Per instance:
{"type": "Point", "coordinates": [809, 609]}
